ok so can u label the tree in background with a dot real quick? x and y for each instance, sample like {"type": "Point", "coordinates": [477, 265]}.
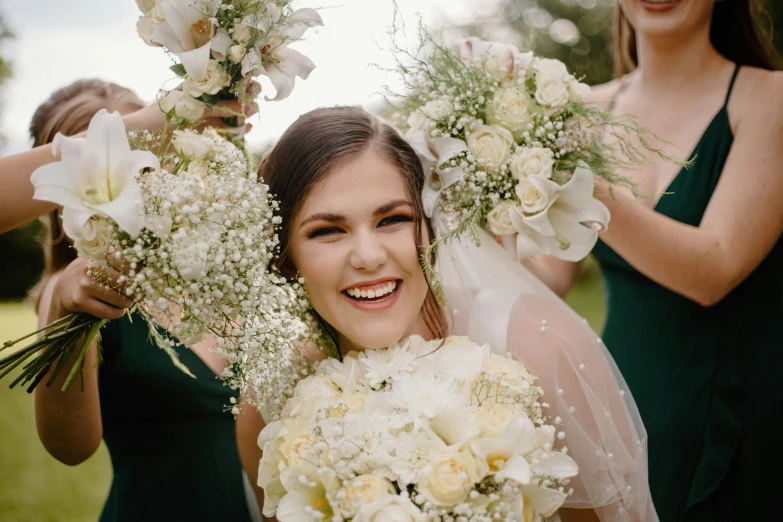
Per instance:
{"type": "Point", "coordinates": [21, 261]}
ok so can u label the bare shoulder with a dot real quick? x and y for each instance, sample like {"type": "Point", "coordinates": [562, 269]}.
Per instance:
{"type": "Point", "coordinates": [759, 92]}
{"type": "Point", "coordinates": [604, 93]}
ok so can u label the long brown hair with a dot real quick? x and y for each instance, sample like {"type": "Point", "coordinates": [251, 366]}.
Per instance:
{"type": "Point", "coordinates": [68, 111]}
{"type": "Point", "coordinates": [741, 30]}
{"type": "Point", "coordinates": [314, 146]}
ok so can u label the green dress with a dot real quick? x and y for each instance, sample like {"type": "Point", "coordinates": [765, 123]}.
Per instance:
{"type": "Point", "coordinates": [705, 379]}
{"type": "Point", "coordinates": [172, 444]}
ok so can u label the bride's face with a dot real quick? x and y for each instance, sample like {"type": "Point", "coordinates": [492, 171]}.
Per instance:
{"type": "Point", "coordinates": [354, 243]}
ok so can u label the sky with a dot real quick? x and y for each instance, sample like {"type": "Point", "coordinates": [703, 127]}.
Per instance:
{"type": "Point", "coordinates": [59, 41]}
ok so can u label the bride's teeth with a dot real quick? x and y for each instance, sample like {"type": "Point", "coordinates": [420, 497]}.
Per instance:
{"type": "Point", "coordinates": [371, 294]}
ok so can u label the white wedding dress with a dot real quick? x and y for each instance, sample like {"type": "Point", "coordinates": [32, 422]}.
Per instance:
{"type": "Point", "coordinates": [492, 299]}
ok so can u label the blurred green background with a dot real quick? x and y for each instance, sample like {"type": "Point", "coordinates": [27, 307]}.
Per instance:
{"type": "Point", "coordinates": [36, 488]}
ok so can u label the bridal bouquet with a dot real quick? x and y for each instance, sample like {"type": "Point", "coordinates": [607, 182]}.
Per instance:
{"type": "Point", "coordinates": [221, 44]}
{"type": "Point", "coordinates": [509, 144]}
{"type": "Point", "coordinates": [190, 228]}
{"type": "Point", "coordinates": [439, 430]}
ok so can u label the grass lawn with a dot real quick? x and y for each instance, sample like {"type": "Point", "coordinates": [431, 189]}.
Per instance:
{"type": "Point", "coordinates": [34, 487]}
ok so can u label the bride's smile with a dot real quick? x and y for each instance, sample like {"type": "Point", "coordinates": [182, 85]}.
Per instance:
{"type": "Point", "coordinates": [354, 243]}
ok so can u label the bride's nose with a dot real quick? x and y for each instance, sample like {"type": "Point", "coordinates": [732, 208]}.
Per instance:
{"type": "Point", "coordinates": [368, 252]}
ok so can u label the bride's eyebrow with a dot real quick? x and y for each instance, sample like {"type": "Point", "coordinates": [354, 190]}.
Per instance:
{"type": "Point", "coordinates": [323, 216]}
{"type": "Point", "coordinates": [388, 207]}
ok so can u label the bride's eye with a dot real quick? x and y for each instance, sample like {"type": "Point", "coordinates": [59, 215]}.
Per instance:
{"type": "Point", "coordinates": [326, 231]}
{"type": "Point", "coordinates": [393, 220]}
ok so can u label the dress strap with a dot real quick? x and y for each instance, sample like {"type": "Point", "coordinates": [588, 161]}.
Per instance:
{"type": "Point", "coordinates": [737, 68]}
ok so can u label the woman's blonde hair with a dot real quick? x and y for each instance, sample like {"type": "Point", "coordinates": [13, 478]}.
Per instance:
{"type": "Point", "coordinates": [68, 111]}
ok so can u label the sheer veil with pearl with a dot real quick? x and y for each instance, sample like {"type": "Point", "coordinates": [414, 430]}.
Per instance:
{"type": "Point", "coordinates": [492, 299]}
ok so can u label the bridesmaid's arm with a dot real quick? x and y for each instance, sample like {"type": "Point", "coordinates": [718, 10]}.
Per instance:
{"type": "Point", "coordinates": [69, 423]}
{"type": "Point", "coordinates": [743, 220]}
{"type": "Point", "coordinates": [249, 426]}
{"type": "Point", "coordinates": [555, 273]}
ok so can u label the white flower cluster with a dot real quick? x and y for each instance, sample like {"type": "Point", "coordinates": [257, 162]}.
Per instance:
{"type": "Point", "coordinates": [441, 430]}
{"type": "Point", "coordinates": [222, 44]}
{"type": "Point", "coordinates": [502, 138]}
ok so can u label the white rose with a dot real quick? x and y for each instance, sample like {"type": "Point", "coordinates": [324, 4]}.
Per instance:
{"type": "Point", "coordinates": [551, 67]}
{"type": "Point", "coordinates": [362, 490]}
{"type": "Point", "coordinates": [578, 90]}
{"type": "Point", "coordinates": [146, 6]}
{"type": "Point", "coordinates": [492, 417]}
{"type": "Point", "coordinates": [215, 79]}
{"type": "Point", "coordinates": [490, 143]}
{"type": "Point", "coordinates": [191, 145]}
{"type": "Point", "coordinates": [451, 478]}
{"type": "Point", "coordinates": [510, 109]}
{"type": "Point", "coordinates": [512, 372]}
{"type": "Point", "coordinates": [182, 106]}
{"type": "Point", "coordinates": [532, 161]}
{"type": "Point", "coordinates": [389, 508]}
{"type": "Point", "coordinates": [243, 31]}
{"type": "Point", "coordinates": [551, 91]}
{"type": "Point", "coordinates": [96, 239]}
{"type": "Point", "coordinates": [144, 27]}
{"type": "Point", "coordinates": [499, 220]}
{"type": "Point", "coordinates": [437, 109]}
{"type": "Point", "coordinates": [532, 200]}
{"type": "Point", "coordinates": [236, 53]}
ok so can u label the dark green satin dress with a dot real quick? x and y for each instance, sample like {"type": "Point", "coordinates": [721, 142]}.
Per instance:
{"type": "Point", "coordinates": [172, 444]}
{"type": "Point", "coordinates": [706, 379]}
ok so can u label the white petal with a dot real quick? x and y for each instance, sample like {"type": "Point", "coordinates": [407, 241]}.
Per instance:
{"type": "Point", "coordinates": [518, 435]}
{"type": "Point", "coordinates": [163, 34]}
{"type": "Point", "coordinates": [282, 83]}
{"type": "Point", "coordinates": [446, 148]}
{"type": "Point", "coordinates": [67, 148]}
{"type": "Point", "coordinates": [106, 142]}
{"type": "Point", "coordinates": [196, 61]}
{"type": "Point", "coordinates": [127, 209]}
{"type": "Point", "coordinates": [528, 247]}
{"type": "Point", "coordinates": [300, 21]}
{"type": "Point", "coordinates": [450, 176]}
{"type": "Point", "coordinates": [74, 220]}
{"type": "Point", "coordinates": [58, 183]}
{"type": "Point", "coordinates": [593, 212]}
{"type": "Point", "coordinates": [517, 469]}
{"type": "Point", "coordinates": [543, 500]}
{"type": "Point", "coordinates": [579, 189]}
{"type": "Point", "coordinates": [295, 63]}
{"type": "Point", "coordinates": [251, 62]}
{"type": "Point", "coordinates": [420, 144]}
{"type": "Point", "coordinates": [220, 44]}
{"type": "Point", "coordinates": [558, 465]}
{"type": "Point", "coordinates": [581, 239]}
{"type": "Point", "coordinates": [548, 187]}
{"type": "Point", "coordinates": [292, 507]}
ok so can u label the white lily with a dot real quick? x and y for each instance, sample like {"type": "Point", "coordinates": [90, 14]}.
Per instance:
{"type": "Point", "coordinates": [502, 59]}
{"type": "Point", "coordinates": [271, 56]}
{"type": "Point", "coordinates": [96, 176]}
{"type": "Point", "coordinates": [433, 153]}
{"type": "Point", "coordinates": [505, 454]}
{"type": "Point", "coordinates": [188, 32]}
{"type": "Point", "coordinates": [308, 490]}
{"type": "Point", "coordinates": [558, 229]}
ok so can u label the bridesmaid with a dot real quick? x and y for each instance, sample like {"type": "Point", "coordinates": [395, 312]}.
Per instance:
{"type": "Point", "coordinates": [694, 277]}
{"type": "Point", "coordinates": [175, 451]}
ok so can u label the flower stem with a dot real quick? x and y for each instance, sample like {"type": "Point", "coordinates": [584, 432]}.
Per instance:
{"type": "Point", "coordinates": [83, 352]}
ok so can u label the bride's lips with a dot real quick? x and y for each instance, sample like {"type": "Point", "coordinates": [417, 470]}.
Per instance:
{"type": "Point", "coordinates": [659, 5]}
{"type": "Point", "coordinates": [388, 289]}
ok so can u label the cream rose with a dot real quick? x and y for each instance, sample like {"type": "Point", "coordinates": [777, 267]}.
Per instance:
{"type": "Point", "coordinates": [499, 220]}
{"type": "Point", "coordinates": [578, 90]}
{"type": "Point", "coordinates": [437, 109]}
{"type": "Point", "coordinates": [551, 91]}
{"type": "Point", "coordinates": [182, 106]}
{"type": "Point", "coordinates": [198, 168]}
{"type": "Point", "coordinates": [215, 79]}
{"type": "Point", "coordinates": [532, 161]}
{"type": "Point", "coordinates": [532, 200]}
{"type": "Point", "coordinates": [96, 240]}
{"type": "Point", "coordinates": [389, 508]}
{"type": "Point", "coordinates": [451, 478]}
{"type": "Point", "coordinates": [490, 143]}
{"type": "Point", "coordinates": [551, 67]}
{"type": "Point", "coordinates": [236, 53]}
{"type": "Point", "coordinates": [509, 108]}
{"type": "Point", "coordinates": [362, 490]}
{"type": "Point", "coordinates": [492, 417]}
{"type": "Point", "coordinates": [190, 144]}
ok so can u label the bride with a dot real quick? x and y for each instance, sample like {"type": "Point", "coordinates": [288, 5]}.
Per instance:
{"type": "Point", "coordinates": [353, 224]}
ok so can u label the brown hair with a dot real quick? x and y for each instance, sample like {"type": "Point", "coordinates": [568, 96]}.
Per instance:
{"type": "Point", "coordinates": [741, 30]}
{"type": "Point", "coordinates": [320, 141]}
{"type": "Point", "coordinates": [68, 111]}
